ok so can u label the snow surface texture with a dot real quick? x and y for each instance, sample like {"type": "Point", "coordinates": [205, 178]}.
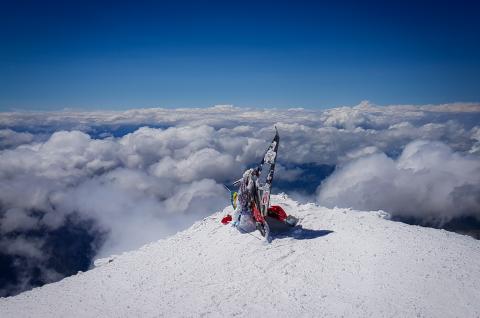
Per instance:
{"type": "Point", "coordinates": [342, 263]}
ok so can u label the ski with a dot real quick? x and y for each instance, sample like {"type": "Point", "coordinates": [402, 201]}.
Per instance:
{"type": "Point", "coordinates": [262, 198]}
{"type": "Point", "coordinates": [266, 184]}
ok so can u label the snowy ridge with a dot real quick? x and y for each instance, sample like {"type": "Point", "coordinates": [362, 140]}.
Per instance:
{"type": "Point", "coordinates": [343, 263]}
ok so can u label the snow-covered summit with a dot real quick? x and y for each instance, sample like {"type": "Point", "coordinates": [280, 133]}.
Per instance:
{"type": "Point", "coordinates": [342, 263]}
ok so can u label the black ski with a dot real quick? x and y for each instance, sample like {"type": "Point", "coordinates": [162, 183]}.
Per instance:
{"type": "Point", "coordinates": [265, 187]}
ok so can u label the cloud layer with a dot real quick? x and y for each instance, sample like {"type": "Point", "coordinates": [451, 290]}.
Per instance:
{"type": "Point", "coordinates": [131, 177]}
{"type": "Point", "coordinates": [427, 181]}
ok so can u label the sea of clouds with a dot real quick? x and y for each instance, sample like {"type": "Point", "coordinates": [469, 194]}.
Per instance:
{"type": "Point", "coordinates": [110, 181]}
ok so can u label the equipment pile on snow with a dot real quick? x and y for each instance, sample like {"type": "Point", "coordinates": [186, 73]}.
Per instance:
{"type": "Point", "coordinates": [253, 197]}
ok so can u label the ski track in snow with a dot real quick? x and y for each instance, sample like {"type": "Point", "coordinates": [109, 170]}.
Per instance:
{"type": "Point", "coordinates": [366, 267]}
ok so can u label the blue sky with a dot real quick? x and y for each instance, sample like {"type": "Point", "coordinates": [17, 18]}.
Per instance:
{"type": "Point", "coordinates": [117, 55]}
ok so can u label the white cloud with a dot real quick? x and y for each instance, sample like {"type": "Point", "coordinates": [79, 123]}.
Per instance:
{"type": "Point", "coordinates": [10, 138]}
{"type": "Point", "coordinates": [426, 181]}
{"type": "Point", "coordinates": [138, 188]}
{"type": "Point", "coordinates": [22, 246]}
{"type": "Point", "coordinates": [16, 219]}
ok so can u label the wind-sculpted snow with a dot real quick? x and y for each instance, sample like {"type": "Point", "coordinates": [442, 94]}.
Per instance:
{"type": "Point", "coordinates": [129, 177]}
{"type": "Point", "coordinates": [342, 263]}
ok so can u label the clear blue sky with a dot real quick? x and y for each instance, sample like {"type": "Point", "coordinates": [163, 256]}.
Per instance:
{"type": "Point", "coordinates": [117, 55]}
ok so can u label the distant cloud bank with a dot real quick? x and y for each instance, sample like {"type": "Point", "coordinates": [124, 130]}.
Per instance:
{"type": "Point", "coordinates": [428, 181]}
{"type": "Point", "coordinates": [139, 175]}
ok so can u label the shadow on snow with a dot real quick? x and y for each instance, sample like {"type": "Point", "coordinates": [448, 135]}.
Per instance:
{"type": "Point", "coordinates": [300, 233]}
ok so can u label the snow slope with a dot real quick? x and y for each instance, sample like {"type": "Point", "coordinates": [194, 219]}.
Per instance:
{"type": "Point", "coordinates": [366, 267]}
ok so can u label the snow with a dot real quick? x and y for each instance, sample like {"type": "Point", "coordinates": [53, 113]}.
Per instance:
{"type": "Point", "coordinates": [343, 263]}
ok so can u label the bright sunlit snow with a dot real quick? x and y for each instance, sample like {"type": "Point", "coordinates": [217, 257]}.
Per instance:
{"type": "Point", "coordinates": [342, 263]}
